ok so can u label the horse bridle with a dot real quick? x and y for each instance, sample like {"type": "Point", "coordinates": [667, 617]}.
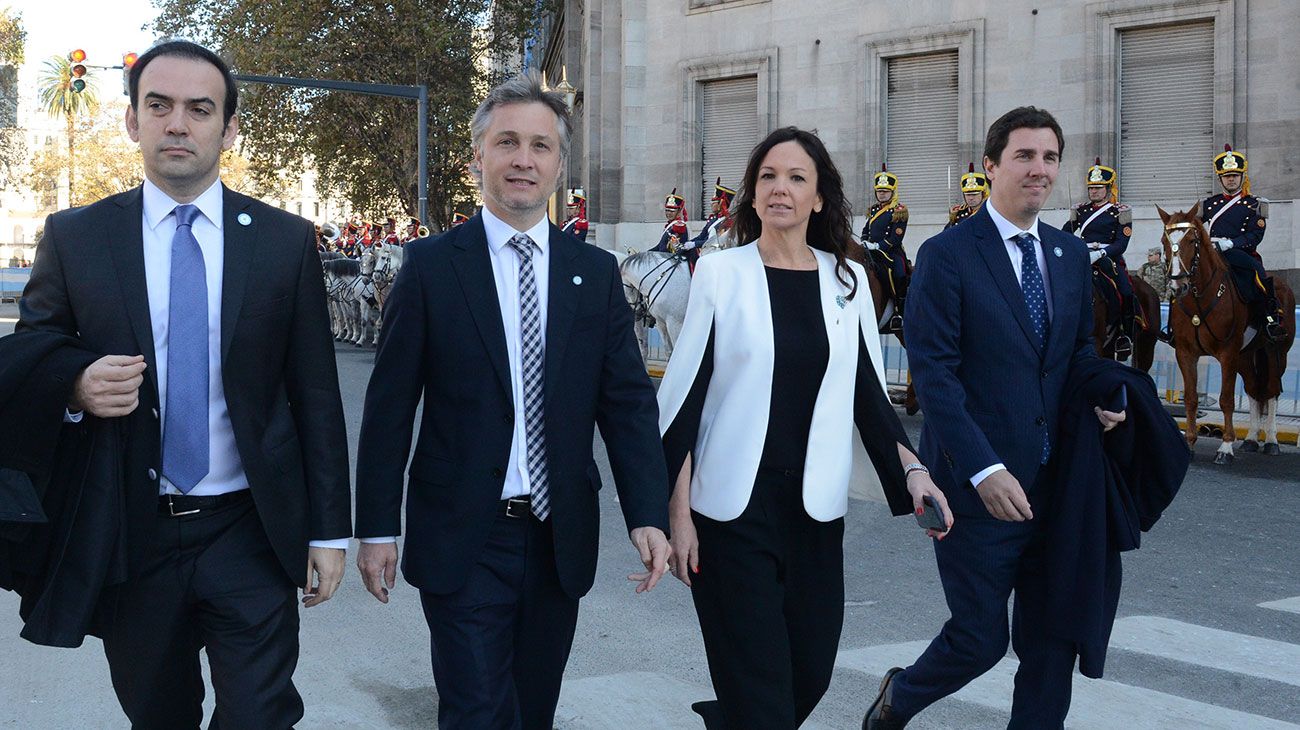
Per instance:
{"type": "Point", "coordinates": [1202, 313]}
{"type": "Point", "coordinates": [642, 304]}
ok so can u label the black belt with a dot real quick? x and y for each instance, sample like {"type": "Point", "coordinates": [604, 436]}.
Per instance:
{"type": "Point", "coordinates": [515, 507]}
{"type": "Point", "coordinates": [178, 505]}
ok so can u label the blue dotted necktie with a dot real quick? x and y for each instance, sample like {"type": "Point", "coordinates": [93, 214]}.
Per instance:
{"type": "Point", "coordinates": [1031, 283]}
{"type": "Point", "coordinates": [532, 359]}
{"type": "Point", "coordinates": [185, 431]}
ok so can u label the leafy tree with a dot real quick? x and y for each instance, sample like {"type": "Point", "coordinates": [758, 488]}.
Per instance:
{"type": "Point", "coordinates": [57, 96]}
{"type": "Point", "coordinates": [363, 147]}
{"type": "Point", "coordinates": [13, 38]}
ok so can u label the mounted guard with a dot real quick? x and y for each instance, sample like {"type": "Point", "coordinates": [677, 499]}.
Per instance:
{"type": "Point", "coordinates": [974, 191]}
{"type": "Point", "coordinates": [1236, 221]}
{"type": "Point", "coordinates": [883, 238]}
{"type": "Point", "coordinates": [675, 230]}
{"type": "Point", "coordinates": [576, 223]}
{"type": "Point", "coordinates": [1106, 225]}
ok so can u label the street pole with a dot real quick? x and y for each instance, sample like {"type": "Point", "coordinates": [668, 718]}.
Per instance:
{"type": "Point", "coordinates": [419, 93]}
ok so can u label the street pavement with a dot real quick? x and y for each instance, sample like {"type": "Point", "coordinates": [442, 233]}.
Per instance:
{"type": "Point", "coordinates": [1208, 634]}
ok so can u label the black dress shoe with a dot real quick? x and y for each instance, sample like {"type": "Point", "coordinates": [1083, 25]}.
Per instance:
{"type": "Point", "coordinates": [711, 711]}
{"type": "Point", "coordinates": [881, 715]}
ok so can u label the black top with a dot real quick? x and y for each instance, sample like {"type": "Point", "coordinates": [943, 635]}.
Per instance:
{"type": "Point", "coordinates": [801, 351]}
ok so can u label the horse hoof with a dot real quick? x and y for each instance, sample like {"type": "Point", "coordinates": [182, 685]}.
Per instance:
{"type": "Point", "coordinates": [1223, 458]}
{"type": "Point", "coordinates": [1272, 449]}
{"type": "Point", "coordinates": [1250, 446]}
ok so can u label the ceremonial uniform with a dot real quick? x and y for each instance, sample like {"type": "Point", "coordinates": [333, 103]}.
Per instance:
{"type": "Point", "coordinates": [883, 237]}
{"type": "Point", "coordinates": [675, 230]}
{"type": "Point", "coordinates": [577, 223]}
{"type": "Point", "coordinates": [1236, 223]}
{"type": "Point", "coordinates": [971, 183]}
{"type": "Point", "coordinates": [1106, 227]}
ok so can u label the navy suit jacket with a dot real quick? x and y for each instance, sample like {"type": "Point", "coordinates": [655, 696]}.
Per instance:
{"type": "Point", "coordinates": [987, 387]}
{"type": "Point", "coordinates": [443, 340]}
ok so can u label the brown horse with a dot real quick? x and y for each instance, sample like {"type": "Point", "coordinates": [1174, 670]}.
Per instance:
{"type": "Point", "coordinates": [1144, 339]}
{"type": "Point", "coordinates": [1208, 318]}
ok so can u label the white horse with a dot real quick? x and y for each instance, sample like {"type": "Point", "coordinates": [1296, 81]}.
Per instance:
{"type": "Point", "coordinates": [363, 304]}
{"type": "Point", "coordinates": [340, 274]}
{"type": "Point", "coordinates": [658, 285]}
{"type": "Point", "coordinates": [388, 263]}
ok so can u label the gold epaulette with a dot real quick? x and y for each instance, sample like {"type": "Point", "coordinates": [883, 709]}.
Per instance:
{"type": "Point", "coordinates": [900, 213]}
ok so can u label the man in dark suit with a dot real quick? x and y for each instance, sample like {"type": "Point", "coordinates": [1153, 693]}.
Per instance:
{"type": "Point", "coordinates": [1000, 310]}
{"type": "Point", "coordinates": [519, 340]}
{"type": "Point", "coordinates": [209, 308]}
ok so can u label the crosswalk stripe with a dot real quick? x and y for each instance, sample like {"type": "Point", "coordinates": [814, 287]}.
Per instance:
{"type": "Point", "coordinates": [1096, 703]}
{"type": "Point", "coordinates": [1290, 605]}
{"type": "Point", "coordinates": [1206, 647]}
{"type": "Point", "coordinates": [634, 700]}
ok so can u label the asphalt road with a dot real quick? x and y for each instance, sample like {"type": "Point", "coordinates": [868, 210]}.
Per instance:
{"type": "Point", "coordinates": [1208, 636]}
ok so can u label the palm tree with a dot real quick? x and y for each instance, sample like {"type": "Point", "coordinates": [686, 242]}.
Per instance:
{"type": "Point", "coordinates": [59, 99]}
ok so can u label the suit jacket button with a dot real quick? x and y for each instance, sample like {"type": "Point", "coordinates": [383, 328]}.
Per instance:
{"type": "Point", "coordinates": [1043, 375]}
{"type": "Point", "coordinates": [153, 475]}
{"type": "Point", "coordinates": [497, 471]}
{"type": "Point", "coordinates": [509, 418]}
{"type": "Point", "coordinates": [155, 414]}
{"type": "Point", "coordinates": [1040, 420]}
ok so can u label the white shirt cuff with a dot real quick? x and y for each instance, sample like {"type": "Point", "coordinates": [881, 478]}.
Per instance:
{"type": "Point", "coordinates": [72, 417]}
{"type": "Point", "coordinates": [983, 474]}
{"type": "Point", "coordinates": [377, 540]}
{"type": "Point", "coordinates": [340, 543]}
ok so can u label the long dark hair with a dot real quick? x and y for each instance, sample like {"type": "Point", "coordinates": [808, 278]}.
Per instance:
{"type": "Point", "coordinates": [830, 230]}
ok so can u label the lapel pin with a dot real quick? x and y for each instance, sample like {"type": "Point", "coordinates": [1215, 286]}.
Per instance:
{"type": "Point", "coordinates": [247, 220]}
{"type": "Point", "coordinates": [840, 300]}
{"type": "Point", "coordinates": [1057, 251]}
{"type": "Point", "coordinates": [577, 280]}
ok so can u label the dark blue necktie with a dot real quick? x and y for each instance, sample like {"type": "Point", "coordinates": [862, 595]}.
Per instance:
{"type": "Point", "coordinates": [185, 431]}
{"type": "Point", "coordinates": [1031, 283]}
{"type": "Point", "coordinates": [532, 360]}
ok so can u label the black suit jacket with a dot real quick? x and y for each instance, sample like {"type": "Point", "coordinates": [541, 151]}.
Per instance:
{"type": "Point", "coordinates": [443, 339]}
{"type": "Point", "coordinates": [277, 359]}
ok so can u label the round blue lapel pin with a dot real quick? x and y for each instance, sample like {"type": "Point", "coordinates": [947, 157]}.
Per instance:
{"type": "Point", "coordinates": [1057, 251]}
{"type": "Point", "coordinates": [577, 281]}
{"type": "Point", "coordinates": [247, 220]}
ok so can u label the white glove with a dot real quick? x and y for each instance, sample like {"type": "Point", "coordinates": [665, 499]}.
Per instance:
{"type": "Point", "coordinates": [1223, 243]}
{"type": "Point", "coordinates": [1095, 256]}
{"type": "Point", "coordinates": [871, 245]}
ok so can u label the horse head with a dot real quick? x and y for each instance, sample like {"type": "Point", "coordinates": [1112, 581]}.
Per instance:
{"type": "Point", "coordinates": [1183, 238]}
{"type": "Point", "coordinates": [368, 258]}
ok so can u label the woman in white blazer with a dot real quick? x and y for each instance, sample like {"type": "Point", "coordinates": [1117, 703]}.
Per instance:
{"type": "Point", "coordinates": [777, 362]}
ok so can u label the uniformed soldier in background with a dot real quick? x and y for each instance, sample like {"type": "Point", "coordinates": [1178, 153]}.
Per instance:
{"type": "Point", "coordinates": [458, 218]}
{"type": "Point", "coordinates": [974, 191]}
{"type": "Point", "coordinates": [718, 223]}
{"type": "Point", "coordinates": [1106, 225]}
{"type": "Point", "coordinates": [576, 223]}
{"type": "Point", "coordinates": [1155, 272]}
{"type": "Point", "coordinates": [675, 230]}
{"type": "Point", "coordinates": [883, 238]}
{"type": "Point", "coordinates": [1236, 220]}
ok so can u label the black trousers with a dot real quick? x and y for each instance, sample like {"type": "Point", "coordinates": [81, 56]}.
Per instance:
{"type": "Point", "coordinates": [500, 643]}
{"type": "Point", "coordinates": [211, 582]}
{"type": "Point", "coordinates": [770, 599]}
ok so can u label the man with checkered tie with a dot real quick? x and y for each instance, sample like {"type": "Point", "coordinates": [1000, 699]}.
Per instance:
{"type": "Point", "coordinates": [519, 340]}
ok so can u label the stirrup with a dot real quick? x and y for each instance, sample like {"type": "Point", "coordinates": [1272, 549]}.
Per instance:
{"type": "Point", "coordinates": [1273, 329]}
{"type": "Point", "coordinates": [1123, 347]}
{"type": "Point", "coordinates": [896, 323]}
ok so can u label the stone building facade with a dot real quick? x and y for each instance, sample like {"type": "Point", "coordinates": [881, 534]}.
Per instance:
{"type": "Point", "coordinates": [673, 92]}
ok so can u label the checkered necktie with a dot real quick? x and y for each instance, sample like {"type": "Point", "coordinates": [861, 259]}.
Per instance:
{"type": "Point", "coordinates": [532, 358]}
{"type": "Point", "coordinates": [1031, 283]}
{"type": "Point", "coordinates": [185, 431]}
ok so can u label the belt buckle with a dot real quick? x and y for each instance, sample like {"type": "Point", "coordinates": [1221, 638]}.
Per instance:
{"type": "Point", "coordinates": [520, 504]}
{"type": "Point", "coordinates": [171, 508]}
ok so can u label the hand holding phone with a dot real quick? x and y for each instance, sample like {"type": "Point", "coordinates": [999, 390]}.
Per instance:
{"type": "Point", "coordinates": [931, 517]}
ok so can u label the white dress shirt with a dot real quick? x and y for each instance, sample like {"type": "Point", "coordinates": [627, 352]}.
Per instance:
{"type": "Point", "coordinates": [505, 270]}
{"type": "Point", "coordinates": [505, 273]}
{"type": "Point", "coordinates": [1009, 231]}
{"type": "Point", "coordinates": [226, 470]}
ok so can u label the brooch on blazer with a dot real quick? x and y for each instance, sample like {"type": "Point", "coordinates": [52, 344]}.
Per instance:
{"type": "Point", "coordinates": [840, 300]}
{"type": "Point", "coordinates": [1057, 251]}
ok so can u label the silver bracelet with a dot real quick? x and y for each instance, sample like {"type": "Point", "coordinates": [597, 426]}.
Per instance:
{"type": "Point", "coordinates": [914, 466]}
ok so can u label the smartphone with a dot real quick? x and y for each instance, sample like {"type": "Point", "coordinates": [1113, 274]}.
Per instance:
{"type": "Point", "coordinates": [932, 518]}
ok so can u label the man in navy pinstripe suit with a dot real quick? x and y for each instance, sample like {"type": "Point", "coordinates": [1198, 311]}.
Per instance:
{"type": "Point", "coordinates": [999, 311]}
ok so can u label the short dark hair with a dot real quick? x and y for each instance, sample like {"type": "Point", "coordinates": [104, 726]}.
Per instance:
{"type": "Point", "coordinates": [1024, 117]}
{"type": "Point", "coordinates": [184, 49]}
{"type": "Point", "coordinates": [830, 230]}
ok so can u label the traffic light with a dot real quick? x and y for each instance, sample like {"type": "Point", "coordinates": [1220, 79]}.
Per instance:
{"type": "Point", "coordinates": [78, 70]}
{"type": "Point", "coordinates": [129, 59]}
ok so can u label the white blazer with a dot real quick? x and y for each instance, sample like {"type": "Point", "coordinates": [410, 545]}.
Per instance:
{"type": "Point", "coordinates": [729, 295]}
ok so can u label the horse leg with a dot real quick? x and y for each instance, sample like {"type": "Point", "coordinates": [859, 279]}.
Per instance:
{"type": "Point", "coordinates": [1271, 446]}
{"type": "Point", "coordinates": [1228, 405]}
{"type": "Point", "coordinates": [1250, 445]}
{"type": "Point", "coordinates": [1187, 365]}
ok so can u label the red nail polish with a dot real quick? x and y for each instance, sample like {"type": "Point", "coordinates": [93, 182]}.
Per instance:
{"type": "Point", "coordinates": [920, 511]}
{"type": "Point", "coordinates": [697, 570]}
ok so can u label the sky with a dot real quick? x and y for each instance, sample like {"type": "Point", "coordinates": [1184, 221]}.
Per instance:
{"type": "Point", "coordinates": [104, 29]}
